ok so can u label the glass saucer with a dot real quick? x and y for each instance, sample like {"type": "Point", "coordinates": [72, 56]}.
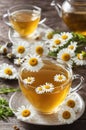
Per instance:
{"type": "Point", "coordinates": [17, 100]}
{"type": "Point", "coordinates": [36, 36]}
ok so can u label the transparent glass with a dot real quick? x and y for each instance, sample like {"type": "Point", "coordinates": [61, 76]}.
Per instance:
{"type": "Point", "coordinates": [47, 92]}
{"type": "Point", "coordinates": [24, 19]}
{"type": "Point", "coordinates": [73, 13]}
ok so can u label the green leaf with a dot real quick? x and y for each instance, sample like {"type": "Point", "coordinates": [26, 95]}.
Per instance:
{"type": "Point", "coordinates": [5, 111]}
{"type": "Point", "coordinates": [8, 90]}
{"type": "Point", "coordinates": [84, 53]}
{"type": "Point", "coordinates": [53, 54]}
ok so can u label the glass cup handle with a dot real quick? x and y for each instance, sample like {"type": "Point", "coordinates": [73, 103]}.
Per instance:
{"type": "Point", "coordinates": [78, 87]}
{"type": "Point", "coordinates": [6, 20]}
{"type": "Point", "coordinates": [42, 21]}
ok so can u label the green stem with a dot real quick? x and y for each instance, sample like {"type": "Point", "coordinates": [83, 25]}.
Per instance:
{"type": "Point", "coordinates": [8, 90]}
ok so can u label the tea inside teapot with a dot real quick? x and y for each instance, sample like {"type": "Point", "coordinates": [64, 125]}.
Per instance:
{"type": "Point", "coordinates": [73, 13]}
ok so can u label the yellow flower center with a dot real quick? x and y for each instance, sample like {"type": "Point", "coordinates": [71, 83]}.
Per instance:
{"type": "Point", "coordinates": [40, 88]}
{"type": "Point", "coordinates": [33, 61]}
{"type": "Point", "coordinates": [8, 71]}
{"type": "Point", "coordinates": [29, 79]}
{"type": "Point", "coordinates": [60, 77]}
{"type": "Point", "coordinates": [53, 46]}
{"type": "Point", "coordinates": [71, 47]}
{"type": "Point", "coordinates": [71, 103]}
{"type": "Point", "coordinates": [21, 49]}
{"type": "Point", "coordinates": [39, 50]}
{"type": "Point", "coordinates": [66, 57]}
{"type": "Point", "coordinates": [50, 36]}
{"type": "Point", "coordinates": [66, 115]}
{"type": "Point", "coordinates": [26, 113]}
{"type": "Point", "coordinates": [64, 36]}
{"type": "Point", "coordinates": [47, 87]}
{"type": "Point", "coordinates": [57, 41]}
{"type": "Point", "coordinates": [80, 57]}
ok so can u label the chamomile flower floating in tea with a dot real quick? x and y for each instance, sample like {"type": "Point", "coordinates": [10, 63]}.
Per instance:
{"type": "Point", "coordinates": [59, 78]}
{"type": "Point", "coordinates": [79, 59]}
{"type": "Point", "coordinates": [8, 71]}
{"type": "Point", "coordinates": [72, 46]}
{"type": "Point", "coordinates": [24, 113]}
{"type": "Point", "coordinates": [33, 63]}
{"type": "Point", "coordinates": [48, 87]}
{"type": "Point", "coordinates": [39, 48]}
{"type": "Point", "coordinates": [29, 80]}
{"type": "Point", "coordinates": [20, 49]}
{"type": "Point", "coordinates": [39, 90]}
{"type": "Point", "coordinates": [66, 56]}
{"type": "Point", "coordinates": [66, 115]}
{"type": "Point", "coordinates": [66, 36]}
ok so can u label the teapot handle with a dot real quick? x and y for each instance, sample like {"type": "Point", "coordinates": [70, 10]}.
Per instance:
{"type": "Point", "coordinates": [57, 7]}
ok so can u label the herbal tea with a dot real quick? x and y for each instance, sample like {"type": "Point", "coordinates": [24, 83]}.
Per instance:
{"type": "Point", "coordinates": [25, 21]}
{"type": "Point", "coordinates": [54, 91]}
{"type": "Point", "coordinates": [76, 21]}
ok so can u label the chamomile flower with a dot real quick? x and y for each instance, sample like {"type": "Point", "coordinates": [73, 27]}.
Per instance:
{"type": "Point", "coordinates": [36, 35]}
{"type": "Point", "coordinates": [52, 47]}
{"type": "Point", "coordinates": [72, 46]}
{"type": "Point", "coordinates": [66, 55]}
{"type": "Point", "coordinates": [10, 55]}
{"type": "Point", "coordinates": [57, 40]}
{"type": "Point", "coordinates": [39, 90]}
{"type": "Point", "coordinates": [48, 87]}
{"type": "Point", "coordinates": [56, 36]}
{"type": "Point", "coordinates": [25, 113]}
{"type": "Point", "coordinates": [66, 115]}
{"type": "Point", "coordinates": [18, 61]}
{"type": "Point", "coordinates": [79, 59]}
{"type": "Point", "coordinates": [3, 49]}
{"type": "Point", "coordinates": [39, 49]}
{"type": "Point", "coordinates": [73, 102]}
{"type": "Point", "coordinates": [55, 44]}
{"type": "Point", "coordinates": [49, 34]}
{"type": "Point", "coordinates": [59, 78]}
{"type": "Point", "coordinates": [66, 36]}
{"type": "Point", "coordinates": [20, 49]}
{"type": "Point", "coordinates": [33, 63]}
{"type": "Point", "coordinates": [29, 80]}
{"type": "Point", "coordinates": [8, 71]}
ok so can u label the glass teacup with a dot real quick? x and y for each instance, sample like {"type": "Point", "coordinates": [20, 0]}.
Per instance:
{"type": "Point", "coordinates": [48, 87]}
{"type": "Point", "coordinates": [24, 19]}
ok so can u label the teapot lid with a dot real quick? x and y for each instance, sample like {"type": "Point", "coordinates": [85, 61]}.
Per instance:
{"type": "Point", "coordinates": [77, 2]}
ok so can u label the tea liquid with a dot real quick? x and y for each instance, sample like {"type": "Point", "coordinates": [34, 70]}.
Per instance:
{"type": "Point", "coordinates": [25, 21]}
{"type": "Point", "coordinates": [76, 21]}
{"type": "Point", "coordinates": [46, 102]}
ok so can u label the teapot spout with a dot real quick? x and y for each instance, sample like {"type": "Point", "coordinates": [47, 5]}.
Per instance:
{"type": "Point", "coordinates": [57, 7]}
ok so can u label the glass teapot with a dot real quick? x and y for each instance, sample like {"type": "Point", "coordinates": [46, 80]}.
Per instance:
{"type": "Point", "coordinates": [73, 13]}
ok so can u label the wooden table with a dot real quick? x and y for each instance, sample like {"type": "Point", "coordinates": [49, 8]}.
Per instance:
{"type": "Point", "coordinates": [55, 22]}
